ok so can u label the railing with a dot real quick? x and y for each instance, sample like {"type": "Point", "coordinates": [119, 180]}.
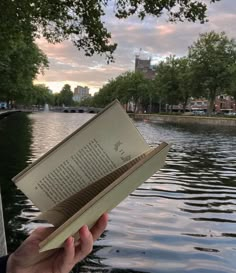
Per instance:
{"type": "Point", "coordinates": [3, 245]}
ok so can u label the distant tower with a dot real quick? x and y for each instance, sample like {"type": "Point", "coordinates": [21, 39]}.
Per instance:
{"type": "Point", "coordinates": [144, 66]}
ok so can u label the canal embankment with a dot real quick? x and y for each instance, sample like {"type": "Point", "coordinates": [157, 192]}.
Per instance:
{"type": "Point", "coordinates": [177, 119]}
{"type": "Point", "coordinates": [4, 114]}
{"type": "Point", "coordinates": [3, 245]}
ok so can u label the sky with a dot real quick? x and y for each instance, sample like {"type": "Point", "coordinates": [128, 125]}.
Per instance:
{"type": "Point", "coordinates": [153, 38]}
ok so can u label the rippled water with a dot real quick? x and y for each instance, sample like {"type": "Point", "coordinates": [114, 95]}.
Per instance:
{"type": "Point", "coordinates": [182, 219]}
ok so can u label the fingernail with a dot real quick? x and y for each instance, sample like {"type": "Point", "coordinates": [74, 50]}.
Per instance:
{"type": "Point", "coordinates": [71, 240]}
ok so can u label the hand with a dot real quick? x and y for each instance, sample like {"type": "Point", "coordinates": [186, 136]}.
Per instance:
{"type": "Point", "coordinates": [27, 259]}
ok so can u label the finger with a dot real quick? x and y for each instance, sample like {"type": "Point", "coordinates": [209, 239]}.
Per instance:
{"type": "Point", "coordinates": [85, 246]}
{"type": "Point", "coordinates": [99, 227]}
{"type": "Point", "coordinates": [96, 230]}
{"type": "Point", "coordinates": [69, 253]}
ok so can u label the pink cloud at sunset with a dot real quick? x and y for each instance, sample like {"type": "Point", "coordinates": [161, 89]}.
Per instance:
{"type": "Point", "coordinates": [165, 29]}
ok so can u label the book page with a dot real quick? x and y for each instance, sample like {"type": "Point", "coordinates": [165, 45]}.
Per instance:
{"type": "Point", "coordinates": [67, 208]}
{"type": "Point", "coordinates": [97, 148]}
{"type": "Point", "coordinates": [110, 197]}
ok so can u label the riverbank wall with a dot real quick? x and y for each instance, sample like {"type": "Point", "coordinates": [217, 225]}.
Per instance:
{"type": "Point", "coordinates": [215, 121]}
{"type": "Point", "coordinates": [4, 114]}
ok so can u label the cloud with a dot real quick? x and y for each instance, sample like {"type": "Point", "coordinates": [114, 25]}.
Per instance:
{"type": "Point", "coordinates": [157, 39]}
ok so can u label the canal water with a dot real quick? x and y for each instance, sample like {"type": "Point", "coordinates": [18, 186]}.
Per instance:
{"type": "Point", "coordinates": [182, 219]}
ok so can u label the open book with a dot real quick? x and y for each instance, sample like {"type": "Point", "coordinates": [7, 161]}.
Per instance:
{"type": "Point", "coordinates": [89, 173]}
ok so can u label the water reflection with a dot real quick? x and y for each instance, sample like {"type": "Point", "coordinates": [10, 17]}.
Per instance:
{"type": "Point", "coordinates": [15, 140]}
{"type": "Point", "coordinates": [50, 128]}
{"type": "Point", "coordinates": [182, 216]}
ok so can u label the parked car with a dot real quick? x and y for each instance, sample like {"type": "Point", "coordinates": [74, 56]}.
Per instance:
{"type": "Point", "coordinates": [3, 105]}
{"type": "Point", "coordinates": [230, 114]}
{"type": "Point", "coordinates": [198, 113]}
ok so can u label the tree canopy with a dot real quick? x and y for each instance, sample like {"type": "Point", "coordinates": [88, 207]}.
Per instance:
{"type": "Point", "coordinates": [213, 59]}
{"type": "Point", "coordinates": [127, 87]}
{"type": "Point", "coordinates": [66, 96]}
{"type": "Point", "coordinates": [20, 61]}
{"type": "Point", "coordinates": [41, 95]}
{"type": "Point", "coordinates": [82, 21]}
{"type": "Point", "coordinates": [167, 80]}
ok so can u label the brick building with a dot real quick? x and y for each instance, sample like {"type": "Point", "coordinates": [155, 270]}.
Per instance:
{"type": "Point", "coordinates": [144, 66]}
{"type": "Point", "coordinates": [225, 104]}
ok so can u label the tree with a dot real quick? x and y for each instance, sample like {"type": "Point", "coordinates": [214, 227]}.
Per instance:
{"type": "Point", "coordinates": [41, 95]}
{"type": "Point", "coordinates": [185, 80]}
{"type": "Point", "coordinates": [88, 102]}
{"type": "Point", "coordinates": [167, 81]}
{"type": "Point", "coordinates": [232, 88]}
{"type": "Point", "coordinates": [127, 87]}
{"type": "Point", "coordinates": [212, 59]}
{"type": "Point", "coordinates": [82, 20]}
{"type": "Point", "coordinates": [147, 95]}
{"type": "Point", "coordinates": [66, 95]}
{"type": "Point", "coordinates": [56, 99]}
{"type": "Point", "coordinates": [132, 86]}
{"type": "Point", "coordinates": [20, 58]}
{"type": "Point", "coordinates": [105, 95]}
{"type": "Point", "coordinates": [20, 62]}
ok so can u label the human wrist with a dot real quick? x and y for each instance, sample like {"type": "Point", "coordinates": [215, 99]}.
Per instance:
{"type": "Point", "coordinates": [11, 266]}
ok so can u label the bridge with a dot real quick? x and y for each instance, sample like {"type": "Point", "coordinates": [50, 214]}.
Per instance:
{"type": "Point", "coordinates": [76, 109]}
